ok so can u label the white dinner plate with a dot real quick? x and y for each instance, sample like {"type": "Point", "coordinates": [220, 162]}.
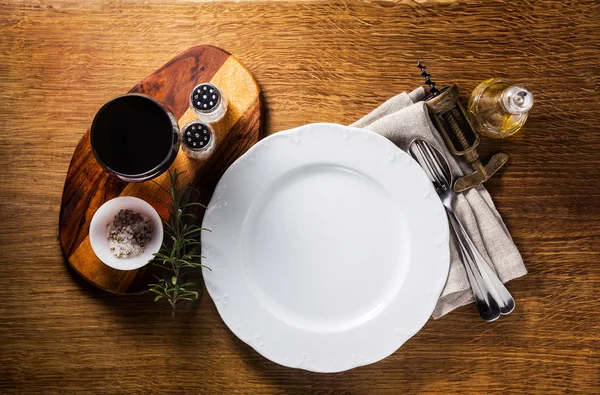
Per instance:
{"type": "Point", "coordinates": [328, 247]}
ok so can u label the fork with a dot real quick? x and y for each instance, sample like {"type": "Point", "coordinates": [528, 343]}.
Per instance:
{"type": "Point", "coordinates": [491, 296]}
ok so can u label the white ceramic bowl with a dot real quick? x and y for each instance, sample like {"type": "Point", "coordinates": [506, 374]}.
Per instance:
{"type": "Point", "coordinates": [98, 232]}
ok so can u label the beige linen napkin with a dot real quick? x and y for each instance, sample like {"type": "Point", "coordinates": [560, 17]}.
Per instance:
{"type": "Point", "coordinates": [404, 118]}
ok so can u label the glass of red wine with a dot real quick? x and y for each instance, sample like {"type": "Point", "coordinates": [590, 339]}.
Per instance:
{"type": "Point", "coordinates": [134, 137]}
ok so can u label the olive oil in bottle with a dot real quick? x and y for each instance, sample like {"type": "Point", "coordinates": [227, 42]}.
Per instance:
{"type": "Point", "coordinates": [498, 108]}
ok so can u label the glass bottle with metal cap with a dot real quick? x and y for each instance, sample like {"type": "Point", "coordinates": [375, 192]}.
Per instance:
{"type": "Point", "coordinates": [498, 108]}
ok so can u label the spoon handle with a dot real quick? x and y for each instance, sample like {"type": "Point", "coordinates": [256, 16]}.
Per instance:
{"type": "Point", "coordinates": [501, 294]}
{"type": "Point", "coordinates": [499, 291]}
{"type": "Point", "coordinates": [484, 300]}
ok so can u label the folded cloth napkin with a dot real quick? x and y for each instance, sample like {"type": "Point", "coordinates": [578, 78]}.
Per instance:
{"type": "Point", "coordinates": [404, 118]}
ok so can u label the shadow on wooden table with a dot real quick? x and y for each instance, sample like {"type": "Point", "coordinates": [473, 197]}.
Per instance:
{"type": "Point", "coordinates": [291, 379]}
{"type": "Point", "coordinates": [297, 380]}
{"type": "Point", "coordinates": [128, 306]}
{"type": "Point", "coordinates": [425, 361]}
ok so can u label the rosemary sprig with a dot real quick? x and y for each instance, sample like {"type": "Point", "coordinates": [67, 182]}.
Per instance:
{"type": "Point", "coordinates": [178, 254]}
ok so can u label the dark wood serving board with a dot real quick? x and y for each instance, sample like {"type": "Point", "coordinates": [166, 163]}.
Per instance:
{"type": "Point", "coordinates": [88, 186]}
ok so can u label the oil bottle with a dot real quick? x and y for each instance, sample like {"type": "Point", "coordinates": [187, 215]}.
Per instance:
{"type": "Point", "coordinates": [498, 108]}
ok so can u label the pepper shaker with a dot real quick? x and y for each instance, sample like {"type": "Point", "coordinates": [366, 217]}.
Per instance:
{"type": "Point", "coordinates": [198, 139]}
{"type": "Point", "coordinates": [208, 103]}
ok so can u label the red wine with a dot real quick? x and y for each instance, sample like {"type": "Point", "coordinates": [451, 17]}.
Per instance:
{"type": "Point", "coordinates": [134, 137]}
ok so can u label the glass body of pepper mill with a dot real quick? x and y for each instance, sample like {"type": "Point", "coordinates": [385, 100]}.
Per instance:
{"type": "Point", "coordinates": [498, 108]}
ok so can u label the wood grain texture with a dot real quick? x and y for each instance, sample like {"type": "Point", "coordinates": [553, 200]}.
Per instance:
{"type": "Point", "coordinates": [315, 61]}
{"type": "Point", "coordinates": [88, 186]}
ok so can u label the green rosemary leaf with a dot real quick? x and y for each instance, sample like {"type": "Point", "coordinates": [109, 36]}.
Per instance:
{"type": "Point", "coordinates": [167, 205]}
{"type": "Point", "coordinates": [161, 256]}
{"type": "Point", "coordinates": [184, 188]}
{"type": "Point", "coordinates": [167, 225]}
{"type": "Point", "coordinates": [193, 204]}
{"type": "Point", "coordinates": [187, 265]}
{"type": "Point", "coordinates": [190, 232]}
{"type": "Point", "coordinates": [161, 187]}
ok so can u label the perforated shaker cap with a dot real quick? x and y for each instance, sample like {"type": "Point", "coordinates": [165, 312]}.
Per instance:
{"type": "Point", "coordinates": [205, 97]}
{"type": "Point", "coordinates": [197, 136]}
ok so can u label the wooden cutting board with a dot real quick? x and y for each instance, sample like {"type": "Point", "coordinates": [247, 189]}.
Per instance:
{"type": "Point", "coordinates": [88, 186]}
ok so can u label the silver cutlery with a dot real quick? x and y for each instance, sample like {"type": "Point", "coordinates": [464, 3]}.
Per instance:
{"type": "Point", "coordinates": [491, 296]}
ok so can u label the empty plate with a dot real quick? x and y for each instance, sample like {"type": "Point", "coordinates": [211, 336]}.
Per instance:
{"type": "Point", "coordinates": [328, 247]}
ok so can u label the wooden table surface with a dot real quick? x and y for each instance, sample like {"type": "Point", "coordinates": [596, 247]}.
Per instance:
{"type": "Point", "coordinates": [315, 61]}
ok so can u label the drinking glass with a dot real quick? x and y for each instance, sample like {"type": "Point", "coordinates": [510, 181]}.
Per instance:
{"type": "Point", "coordinates": [134, 137]}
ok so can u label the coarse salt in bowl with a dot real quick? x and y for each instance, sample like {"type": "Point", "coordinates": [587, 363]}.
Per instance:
{"type": "Point", "coordinates": [99, 232]}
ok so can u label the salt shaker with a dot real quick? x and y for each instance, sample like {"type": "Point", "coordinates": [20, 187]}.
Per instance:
{"type": "Point", "coordinates": [208, 102]}
{"type": "Point", "coordinates": [198, 139]}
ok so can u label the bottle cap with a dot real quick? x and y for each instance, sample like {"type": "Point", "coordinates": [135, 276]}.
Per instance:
{"type": "Point", "coordinates": [517, 99]}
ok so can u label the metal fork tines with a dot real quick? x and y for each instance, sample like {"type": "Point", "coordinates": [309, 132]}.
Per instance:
{"type": "Point", "coordinates": [491, 296]}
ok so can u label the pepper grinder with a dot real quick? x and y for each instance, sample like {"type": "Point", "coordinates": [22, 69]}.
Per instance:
{"type": "Point", "coordinates": [449, 118]}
